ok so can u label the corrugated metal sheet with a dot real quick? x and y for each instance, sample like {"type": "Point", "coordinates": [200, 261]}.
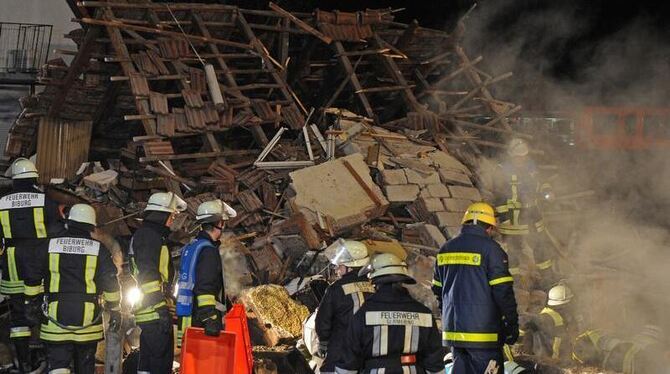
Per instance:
{"type": "Point", "coordinates": [61, 147]}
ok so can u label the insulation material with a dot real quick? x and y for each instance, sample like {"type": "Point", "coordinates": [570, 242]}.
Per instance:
{"type": "Point", "coordinates": [280, 315]}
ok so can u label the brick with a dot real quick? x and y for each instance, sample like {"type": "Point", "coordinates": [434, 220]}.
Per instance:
{"type": "Point", "coordinates": [438, 190]}
{"type": "Point", "coordinates": [456, 205]}
{"type": "Point", "coordinates": [394, 177]}
{"type": "Point", "coordinates": [432, 204]}
{"type": "Point", "coordinates": [402, 193]}
{"type": "Point", "coordinates": [454, 177]}
{"type": "Point", "coordinates": [468, 193]}
{"type": "Point", "coordinates": [421, 179]}
{"type": "Point", "coordinates": [425, 193]}
{"type": "Point", "coordinates": [442, 219]}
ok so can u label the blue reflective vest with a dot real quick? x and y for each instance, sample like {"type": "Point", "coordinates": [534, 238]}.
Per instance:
{"type": "Point", "coordinates": [473, 283]}
{"type": "Point", "coordinates": [186, 283]}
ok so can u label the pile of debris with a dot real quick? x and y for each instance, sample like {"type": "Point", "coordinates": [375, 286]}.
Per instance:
{"type": "Point", "coordinates": [261, 109]}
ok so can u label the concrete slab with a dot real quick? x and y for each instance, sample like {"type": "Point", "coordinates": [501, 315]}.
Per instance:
{"type": "Point", "coordinates": [468, 193]}
{"type": "Point", "coordinates": [394, 177]}
{"type": "Point", "coordinates": [421, 179]}
{"type": "Point", "coordinates": [456, 205]}
{"type": "Point", "coordinates": [438, 190]}
{"type": "Point", "coordinates": [331, 190]}
{"type": "Point", "coordinates": [402, 193]}
{"type": "Point", "coordinates": [432, 204]}
{"type": "Point", "coordinates": [454, 177]}
{"type": "Point", "coordinates": [442, 219]}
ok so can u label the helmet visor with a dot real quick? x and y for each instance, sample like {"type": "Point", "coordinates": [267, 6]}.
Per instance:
{"type": "Point", "coordinates": [337, 253]}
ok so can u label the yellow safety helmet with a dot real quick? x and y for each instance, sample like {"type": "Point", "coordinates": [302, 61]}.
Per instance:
{"type": "Point", "coordinates": [480, 212]}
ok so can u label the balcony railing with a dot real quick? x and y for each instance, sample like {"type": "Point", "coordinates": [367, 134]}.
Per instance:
{"type": "Point", "coordinates": [24, 47]}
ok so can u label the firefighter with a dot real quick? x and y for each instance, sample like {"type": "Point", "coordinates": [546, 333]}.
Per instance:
{"type": "Point", "coordinates": [152, 266]}
{"type": "Point", "coordinates": [342, 300]}
{"type": "Point", "coordinates": [75, 270]}
{"type": "Point", "coordinates": [474, 288]}
{"type": "Point", "coordinates": [641, 354]}
{"type": "Point", "coordinates": [201, 274]}
{"type": "Point", "coordinates": [518, 190]}
{"type": "Point", "coordinates": [28, 218]}
{"type": "Point", "coordinates": [391, 333]}
{"type": "Point", "coordinates": [554, 328]}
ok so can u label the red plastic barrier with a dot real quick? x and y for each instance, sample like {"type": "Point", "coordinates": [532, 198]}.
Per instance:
{"type": "Point", "coordinates": [208, 354]}
{"type": "Point", "coordinates": [236, 322]}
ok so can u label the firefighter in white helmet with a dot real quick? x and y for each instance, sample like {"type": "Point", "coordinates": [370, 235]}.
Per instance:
{"type": "Point", "coordinates": [555, 325]}
{"type": "Point", "coordinates": [391, 332]}
{"type": "Point", "coordinates": [342, 299]}
{"type": "Point", "coordinates": [28, 219]}
{"type": "Point", "coordinates": [75, 272]}
{"type": "Point", "coordinates": [151, 264]}
{"type": "Point", "coordinates": [201, 294]}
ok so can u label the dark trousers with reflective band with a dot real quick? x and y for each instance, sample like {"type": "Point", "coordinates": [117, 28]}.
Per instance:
{"type": "Point", "coordinates": [476, 360]}
{"type": "Point", "coordinates": [19, 331]}
{"type": "Point", "coordinates": [62, 355]}
{"type": "Point", "coordinates": [156, 348]}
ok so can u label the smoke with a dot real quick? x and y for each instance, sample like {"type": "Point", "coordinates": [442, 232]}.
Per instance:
{"type": "Point", "coordinates": [617, 240]}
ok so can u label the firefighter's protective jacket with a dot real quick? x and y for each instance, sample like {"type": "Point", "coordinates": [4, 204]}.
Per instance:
{"type": "Point", "coordinates": [342, 299]}
{"type": "Point", "coordinates": [556, 331]}
{"type": "Point", "coordinates": [208, 285]}
{"type": "Point", "coordinates": [153, 269]}
{"type": "Point", "coordinates": [391, 333]}
{"type": "Point", "coordinates": [516, 198]}
{"type": "Point", "coordinates": [473, 284]}
{"type": "Point", "coordinates": [28, 217]}
{"type": "Point", "coordinates": [75, 271]}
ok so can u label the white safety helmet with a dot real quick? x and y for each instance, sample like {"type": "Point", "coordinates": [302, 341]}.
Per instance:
{"type": "Point", "coordinates": [387, 264]}
{"type": "Point", "coordinates": [350, 253]}
{"type": "Point", "coordinates": [512, 367]}
{"type": "Point", "coordinates": [517, 147]}
{"type": "Point", "coordinates": [560, 294]}
{"type": "Point", "coordinates": [82, 213]}
{"type": "Point", "coordinates": [214, 211]}
{"type": "Point", "coordinates": [165, 202]}
{"type": "Point", "coordinates": [22, 168]}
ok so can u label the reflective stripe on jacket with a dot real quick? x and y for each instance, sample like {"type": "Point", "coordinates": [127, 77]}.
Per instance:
{"type": "Point", "coordinates": [473, 284]}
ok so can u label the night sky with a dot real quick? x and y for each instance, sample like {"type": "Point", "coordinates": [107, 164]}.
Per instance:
{"type": "Point", "coordinates": [606, 47]}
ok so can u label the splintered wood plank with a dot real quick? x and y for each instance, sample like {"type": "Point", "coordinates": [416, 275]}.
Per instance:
{"type": "Point", "coordinates": [353, 78]}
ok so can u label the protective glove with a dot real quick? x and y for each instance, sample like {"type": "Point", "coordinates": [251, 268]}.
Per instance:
{"type": "Point", "coordinates": [34, 310]}
{"type": "Point", "coordinates": [322, 350]}
{"type": "Point", "coordinates": [511, 334]}
{"type": "Point", "coordinates": [115, 321]}
{"type": "Point", "coordinates": [213, 326]}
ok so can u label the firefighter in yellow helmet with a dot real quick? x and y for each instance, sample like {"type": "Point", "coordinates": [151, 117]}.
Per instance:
{"type": "Point", "coordinates": [151, 264]}
{"type": "Point", "coordinates": [28, 218]}
{"type": "Point", "coordinates": [76, 271]}
{"type": "Point", "coordinates": [474, 288]}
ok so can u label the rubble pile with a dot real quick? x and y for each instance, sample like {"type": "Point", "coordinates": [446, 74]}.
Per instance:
{"type": "Point", "coordinates": [311, 125]}
{"type": "Point", "coordinates": [282, 143]}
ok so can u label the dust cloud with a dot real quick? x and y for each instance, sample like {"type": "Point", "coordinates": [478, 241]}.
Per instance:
{"type": "Point", "coordinates": [618, 239]}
